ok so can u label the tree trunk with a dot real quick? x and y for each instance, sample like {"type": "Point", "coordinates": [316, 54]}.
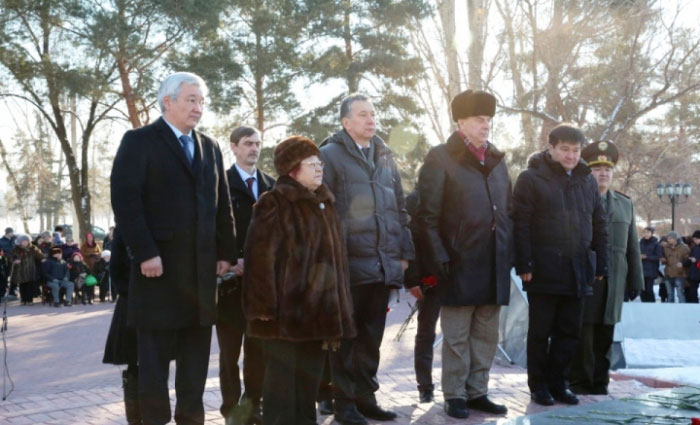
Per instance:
{"type": "Point", "coordinates": [477, 12]}
{"type": "Point", "coordinates": [352, 77]}
{"type": "Point", "coordinates": [21, 195]}
{"type": "Point", "coordinates": [446, 10]}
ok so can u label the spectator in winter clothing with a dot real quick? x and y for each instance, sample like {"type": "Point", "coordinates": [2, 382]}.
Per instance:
{"type": "Point", "coordinates": [561, 247]}
{"type": "Point", "coordinates": [7, 244]}
{"type": "Point", "coordinates": [58, 237]}
{"type": "Point", "coordinates": [465, 198]}
{"type": "Point", "coordinates": [651, 254]}
{"type": "Point", "coordinates": [55, 272]}
{"type": "Point", "coordinates": [362, 175]}
{"type": "Point", "coordinates": [4, 270]}
{"type": "Point", "coordinates": [675, 254]}
{"type": "Point", "coordinates": [91, 251]}
{"type": "Point", "coordinates": [296, 294]}
{"type": "Point", "coordinates": [69, 248]}
{"type": "Point", "coordinates": [26, 258]}
{"type": "Point", "coordinates": [101, 272]}
{"type": "Point", "coordinates": [78, 272]}
{"type": "Point", "coordinates": [693, 265]}
{"type": "Point", "coordinates": [107, 241]}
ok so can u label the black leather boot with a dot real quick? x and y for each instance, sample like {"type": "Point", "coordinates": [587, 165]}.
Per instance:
{"type": "Point", "coordinates": [130, 383]}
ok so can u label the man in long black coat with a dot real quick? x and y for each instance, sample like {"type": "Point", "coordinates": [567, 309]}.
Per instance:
{"type": "Point", "coordinates": [247, 184]}
{"type": "Point", "coordinates": [465, 196]}
{"type": "Point", "coordinates": [561, 247]}
{"type": "Point", "coordinates": [171, 201]}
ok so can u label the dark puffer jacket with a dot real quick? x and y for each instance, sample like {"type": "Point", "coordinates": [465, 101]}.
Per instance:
{"type": "Point", "coordinates": [652, 248]}
{"type": "Point", "coordinates": [464, 209]}
{"type": "Point", "coordinates": [371, 206]}
{"type": "Point", "coordinates": [694, 266]}
{"type": "Point", "coordinates": [560, 227]}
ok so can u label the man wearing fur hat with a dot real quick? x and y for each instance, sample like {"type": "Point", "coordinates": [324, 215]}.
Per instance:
{"type": "Point", "coordinates": [465, 196]}
{"type": "Point", "coordinates": [363, 176]}
{"type": "Point", "coordinates": [589, 369]}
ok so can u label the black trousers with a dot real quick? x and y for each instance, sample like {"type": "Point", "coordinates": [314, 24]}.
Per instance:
{"type": "Point", "coordinates": [190, 349]}
{"type": "Point", "coordinates": [552, 337]}
{"type": "Point", "coordinates": [648, 294]}
{"type": "Point", "coordinates": [230, 331]}
{"type": "Point", "coordinates": [26, 291]}
{"type": "Point", "coordinates": [354, 365]}
{"type": "Point", "coordinates": [428, 313]}
{"type": "Point", "coordinates": [292, 376]}
{"type": "Point", "coordinates": [325, 388]}
{"type": "Point", "coordinates": [591, 365]}
{"type": "Point", "coordinates": [691, 292]}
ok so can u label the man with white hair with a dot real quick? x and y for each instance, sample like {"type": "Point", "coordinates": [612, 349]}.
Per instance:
{"type": "Point", "coordinates": [171, 202]}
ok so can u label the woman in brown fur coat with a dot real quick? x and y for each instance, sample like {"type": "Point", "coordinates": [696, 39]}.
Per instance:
{"type": "Point", "coordinates": [296, 291]}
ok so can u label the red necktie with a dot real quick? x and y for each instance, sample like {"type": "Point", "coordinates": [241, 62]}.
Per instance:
{"type": "Point", "coordinates": [250, 181]}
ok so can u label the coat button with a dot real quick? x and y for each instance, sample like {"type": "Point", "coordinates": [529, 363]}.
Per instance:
{"type": "Point", "coordinates": [495, 208]}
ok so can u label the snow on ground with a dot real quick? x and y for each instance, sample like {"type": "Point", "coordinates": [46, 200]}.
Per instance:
{"type": "Point", "coordinates": [679, 375]}
{"type": "Point", "coordinates": [661, 353]}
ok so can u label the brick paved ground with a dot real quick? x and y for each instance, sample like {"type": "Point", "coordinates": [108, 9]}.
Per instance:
{"type": "Point", "coordinates": [54, 358]}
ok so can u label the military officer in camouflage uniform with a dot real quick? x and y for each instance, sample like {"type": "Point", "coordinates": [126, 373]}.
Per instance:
{"type": "Point", "coordinates": [589, 370]}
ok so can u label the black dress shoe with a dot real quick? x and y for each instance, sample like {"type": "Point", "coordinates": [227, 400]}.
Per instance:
{"type": "Point", "coordinates": [566, 397]}
{"type": "Point", "coordinates": [580, 389]}
{"type": "Point", "coordinates": [374, 411]}
{"type": "Point", "coordinates": [425, 396]}
{"type": "Point", "coordinates": [542, 397]}
{"type": "Point", "coordinates": [456, 408]}
{"type": "Point", "coordinates": [348, 415]}
{"type": "Point", "coordinates": [485, 405]}
{"type": "Point", "coordinates": [599, 390]}
{"type": "Point", "coordinates": [325, 407]}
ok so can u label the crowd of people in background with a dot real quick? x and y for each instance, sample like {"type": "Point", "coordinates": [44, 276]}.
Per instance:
{"type": "Point", "coordinates": [54, 268]}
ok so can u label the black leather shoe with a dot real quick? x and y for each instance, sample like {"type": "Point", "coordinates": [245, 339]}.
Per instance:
{"type": "Point", "coordinates": [566, 397]}
{"type": "Point", "coordinates": [456, 408]}
{"type": "Point", "coordinates": [580, 389]}
{"type": "Point", "coordinates": [485, 405]}
{"type": "Point", "coordinates": [374, 411]}
{"type": "Point", "coordinates": [599, 390]}
{"type": "Point", "coordinates": [542, 397]}
{"type": "Point", "coordinates": [425, 396]}
{"type": "Point", "coordinates": [348, 415]}
{"type": "Point", "coordinates": [325, 407]}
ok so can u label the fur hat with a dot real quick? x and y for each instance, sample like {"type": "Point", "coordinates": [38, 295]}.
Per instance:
{"type": "Point", "coordinates": [22, 237]}
{"type": "Point", "coordinates": [56, 250]}
{"type": "Point", "coordinates": [696, 234]}
{"type": "Point", "coordinates": [291, 151]}
{"type": "Point", "coordinates": [473, 103]}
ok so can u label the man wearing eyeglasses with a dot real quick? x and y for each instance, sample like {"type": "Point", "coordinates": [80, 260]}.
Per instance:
{"type": "Point", "coordinates": [361, 172]}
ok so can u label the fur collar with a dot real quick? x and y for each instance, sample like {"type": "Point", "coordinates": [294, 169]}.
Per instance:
{"type": "Point", "coordinates": [294, 191]}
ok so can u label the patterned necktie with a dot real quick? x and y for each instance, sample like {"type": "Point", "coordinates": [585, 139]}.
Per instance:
{"type": "Point", "coordinates": [365, 151]}
{"type": "Point", "coordinates": [250, 181]}
{"type": "Point", "coordinates": [185, 141]}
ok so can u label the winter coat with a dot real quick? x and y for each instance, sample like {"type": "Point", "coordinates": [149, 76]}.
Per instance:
{"type": "Point", "coordinates": [296, 268]}
{"type": "Point", "coordinates": [419, 267]}
{"type": "Point", "coordinates": [7, 244]}
{"type": "Point", "coordinates": [675, 254]}
{"type": "Point", "coordinates": [28, 268]}
{"type": "Point", "coordinates": [69, 251]}
{"type": "Point", "coordinates": [76, 269]}
{"type": "Point", "coordinates": [371, 206]}
{"type": "Point", "coordinates": [179, 211]}
{"type": "Point", "coordinates": [624, 260]}
{"type": "Point", "coordinates": [693, 266]}
{"type": "Point", "coordinates": [91, 254]}
{"type": "Point", "coordinates": [653, 250]}
{"type": "Point", "coordinates": [464, 213]}
{"type": "Point", "coordinates": [53, 269]}
{"type": "Point", "coordinates": [560, 227]}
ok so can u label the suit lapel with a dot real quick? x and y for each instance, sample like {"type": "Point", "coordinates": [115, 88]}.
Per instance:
{"type": "Point", "coordinates": [173, 144]}
{"type": "Point", "coordinates": [237, 183]}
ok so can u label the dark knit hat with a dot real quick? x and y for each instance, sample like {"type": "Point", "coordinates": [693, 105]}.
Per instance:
{"type": "Point", "coordinates": [473, 103]}
{"type": "Point", "coordinates": [56, 250]}
{"type": "Point", "coordinates": [600, 153]}
{"type": "Point", "coordinates": [696, 234]}
{"type": "Point", "coordinates": [290, 152]}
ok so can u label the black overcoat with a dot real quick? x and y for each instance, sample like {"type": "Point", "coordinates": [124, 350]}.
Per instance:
{"type": "Point", "coordinates": [182, 213]}
{"type": "Point", "coordinates": [560, 227]}
{"type": "Point", "coordinates": [464, 210]}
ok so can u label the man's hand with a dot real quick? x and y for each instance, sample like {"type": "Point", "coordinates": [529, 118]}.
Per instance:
{"type": "Point", "coordinates": [416, 292]}
{"type": "Point", "coordinates": [152, 267]}
{"type": "Point", "coordinates": [526, 277]}
{"type": "Point", "coordinates": [644, 256]}
{"type": "Point", "coordinates": [404, 265]}
{"type": "Point", "coordinates": [693, 259]}
{"type": "Point", "coordinates": [222, 267]}
{"type": "Point", "coordinates": [238, 268]}
{"type": "Point", "coordinates": [599, 277]}
{"type": "Point", "coordinates": [264, 318]}
{"type": "Point", "coordinates": [663, 260]}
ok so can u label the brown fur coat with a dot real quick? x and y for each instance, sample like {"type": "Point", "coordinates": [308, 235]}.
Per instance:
{"type": "Point", "coordinates": [296, 268]}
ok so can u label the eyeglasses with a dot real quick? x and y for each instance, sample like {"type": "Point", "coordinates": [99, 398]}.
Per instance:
{"type": "Point", "coordinates": [314, 164]}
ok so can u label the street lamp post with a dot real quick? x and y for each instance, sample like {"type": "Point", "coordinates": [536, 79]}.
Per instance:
{"type": "Point", "coordinates": [673, 193]}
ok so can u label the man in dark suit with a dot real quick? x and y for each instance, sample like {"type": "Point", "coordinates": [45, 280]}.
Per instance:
{"type": "Point", "coordinates": [170, 199]}
{"type": "Point", "coordinates": [246, 184]}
